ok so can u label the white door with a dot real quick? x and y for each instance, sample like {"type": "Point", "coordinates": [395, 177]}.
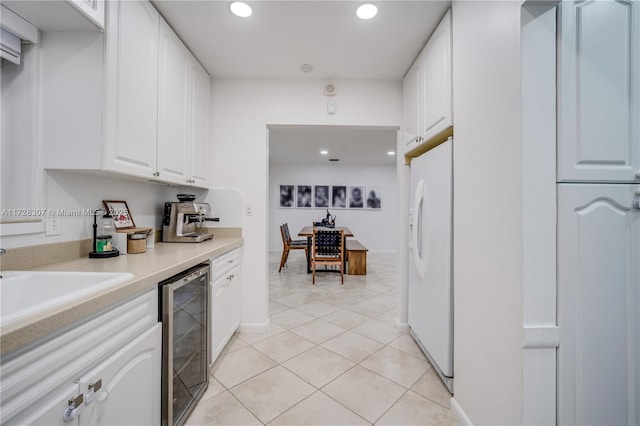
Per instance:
{"type": "Point", "coordinates": [437, 111]}
{"type": "Point", "coordinates": [430, 285]}
{"type": "Point", "coordinates": [411, 86]}
{"type": "Point", "coordinates": [220, 315]}
{"type": "Point", "coordinates": [125, 388]}
{"type": "Point", "coordinates": [50, 411]}
{"type": "Point", "coordinates": [132, 88]}
{"type": "Point", "coordinates": [235, 301]}
{"type": "Point", "coordinates": [598, 304]}
{"type": "Point", "coordinates": [173, 120]}
{"type": "Point", "coordinates": [200, 134]}
{"type": "Point", "coordinates": [599, 91]}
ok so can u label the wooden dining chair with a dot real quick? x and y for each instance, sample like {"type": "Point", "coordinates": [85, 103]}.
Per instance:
{"type": "Point", "coordinates": [289, 244]}
{"type": "Point", "coordinates": [328, 250]}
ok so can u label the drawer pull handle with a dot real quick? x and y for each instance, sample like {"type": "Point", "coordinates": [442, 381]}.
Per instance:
{"type": "Point", "coordinates": [93, 391]}
{"type": "Point", "coordinates": [73, 409]}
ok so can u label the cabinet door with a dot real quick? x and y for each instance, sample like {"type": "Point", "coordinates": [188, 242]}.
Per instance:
{"type": "Point", "coordinates": [220, 311]}
{"type": "Point", "coordinates": [125, 388]}
{"type": "Point", "coordinates": [598, 305]}
{"type": "Point", "coordinates": [132, 88]}
{"type": "Point", "coordinates": [47, 412]}
{"type": "Point", "coordinates": [234, 301]}
{"type": "Point", "coordinates": [200, 130]}
{"type": "Point", "coordinates": [173, 119]}
{"type": "Point", "coordinates": [437, 112]}
{"type": "Point", "coordinates": [411, 98]}
{"type": "Point", "coordinates": [599, 91]}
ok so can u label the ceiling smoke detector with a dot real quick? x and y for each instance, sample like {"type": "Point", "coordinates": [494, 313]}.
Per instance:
{"type": "Point", "coordinates": [306, 68]}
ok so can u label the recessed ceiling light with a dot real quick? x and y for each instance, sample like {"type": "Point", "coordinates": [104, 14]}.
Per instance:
{"type": "Point", "coordinates": [324, 152]}
{"type": "Point", "coordinates": [391, 153]}
{"type": "Point", "coordinates": [241, 9]}
{"type": "Point", "coordinates": [367, 11]}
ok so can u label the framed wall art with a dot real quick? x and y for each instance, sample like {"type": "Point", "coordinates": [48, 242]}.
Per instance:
{"type": "Point", "coordinates": [338, 197]}
{"type": "Point", "coordinates": [374, 198]}
{"type": "Point", "coordinates": [356, 197]}
{"type": "Point", "coordinates": [304, 196]}
{"type": "Point", "coordinates": [321, 196]}
{"type": "Point", "coordinates": [120, 212]}
{"type": "Point", "coordinates": [287, 196]}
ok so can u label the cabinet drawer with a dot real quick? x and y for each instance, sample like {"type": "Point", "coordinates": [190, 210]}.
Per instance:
{"type": "Point", "coordinates": [221, 265]}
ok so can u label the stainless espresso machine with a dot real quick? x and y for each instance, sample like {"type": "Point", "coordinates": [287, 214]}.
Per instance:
{"type": "Point", "coordinates": [182, 222]}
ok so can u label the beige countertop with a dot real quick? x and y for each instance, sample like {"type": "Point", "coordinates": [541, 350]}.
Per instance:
{"type": "Point", "coordinates": [157, 264]}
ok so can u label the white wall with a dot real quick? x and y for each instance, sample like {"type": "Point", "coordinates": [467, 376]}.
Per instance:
{"type": "Point", "coordinates": [487, 211]}
{"type": "Point", "coordinates": [72, 191]}
{"type": "Point", "coordinates": [241, 111]}
{"type": "Point", "coordinates": [376, 229]}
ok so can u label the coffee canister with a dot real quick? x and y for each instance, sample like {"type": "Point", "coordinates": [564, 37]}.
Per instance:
{"type": "Point", "coordinates": [136, 243]}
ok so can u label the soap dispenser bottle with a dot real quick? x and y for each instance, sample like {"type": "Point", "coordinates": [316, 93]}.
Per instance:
{"type": "Point", "coordinates": [104, 237]}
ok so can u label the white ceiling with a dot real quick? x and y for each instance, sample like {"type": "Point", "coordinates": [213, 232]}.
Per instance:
{"type": "Point", "coordinates": [282, 35]}
{"type": "Point", "coordinates": [352, 145]}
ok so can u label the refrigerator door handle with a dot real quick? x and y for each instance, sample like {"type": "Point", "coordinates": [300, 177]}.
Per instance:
{"type": "Point", "coordinates": [419, 248]}
{"type": "Point", "coordinates": [636, 201]}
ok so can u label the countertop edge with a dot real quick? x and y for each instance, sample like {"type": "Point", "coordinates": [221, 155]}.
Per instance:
{"type": "Point", "coordinates": [20, 337]}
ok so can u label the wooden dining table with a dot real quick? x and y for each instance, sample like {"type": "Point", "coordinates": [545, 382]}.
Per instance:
{"type": "Point", "coordinates": [307, 231]}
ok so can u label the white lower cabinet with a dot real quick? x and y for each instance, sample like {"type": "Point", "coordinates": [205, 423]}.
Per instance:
{"type": "Point", "coordinates": [110, 366]}
{"type": "Point", "coordinates": [226, 300]}
{"type": "Point", "coordinates": [125, 388]}
{"type": "Point", "coordinates": [598, 304]}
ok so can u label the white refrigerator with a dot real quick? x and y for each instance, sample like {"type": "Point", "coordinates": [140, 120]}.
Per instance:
{"type": "Point", "coordinates": [430, 306]}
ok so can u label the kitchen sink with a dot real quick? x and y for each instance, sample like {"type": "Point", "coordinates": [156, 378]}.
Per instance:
{"type": "Point", "coordinates": [25, 293]}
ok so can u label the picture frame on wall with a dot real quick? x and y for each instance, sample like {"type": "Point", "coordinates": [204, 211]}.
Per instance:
{"type": "Point", "coordinates": [321, 196]}
{"type": "Point", "coordinates": [304, 196]}
{"type": "Point", "coordinates": [373, 198]}
{"type": "Point", "coordinates": [120, 212]}
{"type": "Point", "coordinates": [339, 197]}
{"type": "Point", "coordinates": [287, 196]}
{"type": "Point", "coordinates": [356, 197]}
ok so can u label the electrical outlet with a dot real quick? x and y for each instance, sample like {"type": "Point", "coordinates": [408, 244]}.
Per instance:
{"type": "Point", "coordinates": [52, 225]}
{"type": "Point", "coordinates": [249, 210]}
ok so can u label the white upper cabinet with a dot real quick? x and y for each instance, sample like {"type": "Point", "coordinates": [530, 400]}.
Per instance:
{"type": "Point", "coordinates": [183, 108]}
{"type": "Point", "coordinates": [173, 108]}
{"type": "Point", "coordinates": [437, 113]}
{"type": "Point", "coordinates": [411, 91]}
{"type": "Point", "coordinates": [200, 129]}
{"type": "Point", "coordinates": [428, 91]}
{"type": "Point", "coordinates": [132, 88]}
{"type": "Point", "coordinates": [599, 91]}
{"type": "Point", "coordinates": [152, 92]}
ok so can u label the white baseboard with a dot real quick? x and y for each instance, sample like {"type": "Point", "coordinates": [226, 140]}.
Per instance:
{"type": "Point", "coordinates": [254, 327]}
{"type": "Point", "coordinates": [402, 327]}
{"type": "Point", "coordinates": [459, 414]}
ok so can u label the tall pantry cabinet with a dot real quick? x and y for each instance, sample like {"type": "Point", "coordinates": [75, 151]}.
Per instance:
{"type": "Point", "coordinates": [599, 212]}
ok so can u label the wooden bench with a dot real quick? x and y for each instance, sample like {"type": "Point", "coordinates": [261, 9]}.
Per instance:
{"type": "Point", "coordinates": [356, 256]}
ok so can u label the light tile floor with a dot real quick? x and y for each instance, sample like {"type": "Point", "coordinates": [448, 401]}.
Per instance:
{"type": "Point", "coordinates": [331, 356]}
